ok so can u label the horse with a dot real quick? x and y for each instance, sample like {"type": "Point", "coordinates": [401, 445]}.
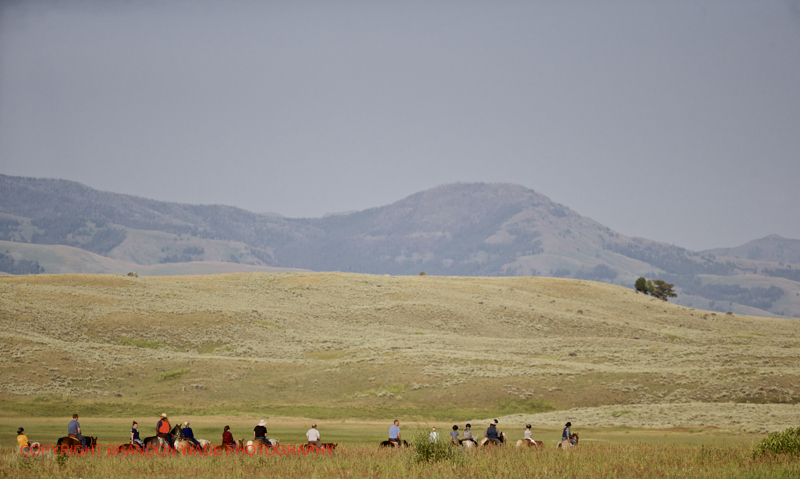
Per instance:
{"type": "Point", "coordinates": [486, 442]}
{"type": "Point", "coordinates": [176, 433]}
{"type": "Point", "coordinates": [566, 443]}
{"type": "Point", "coordinates": [126, 448]}
{"type": "Point", "coordinates": [252, 445]}
{"type": "Point", "coordinates": [33, 448]}
{"type": "Point", "coordinates": [531, 443]}
{"type": "Point", "coordinates": [393, 444]}
{"type": "Point", "coordinates": [74, 444]}
{"type": "Point", "coordinates": [314, 448]}
{"type": "Point", "coordinates": [469, 444]}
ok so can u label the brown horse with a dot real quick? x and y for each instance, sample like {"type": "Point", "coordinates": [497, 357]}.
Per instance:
{"type": "Point", "coordinates": [237, 444]}
{"type": "Point", "coordinates": [532, 443]}
{"type": "Point", "coordinates": [567, 443]}
{"type": "Point", "coordinates": [486, 442]}
{"type": "Point", "coordinates": [128, 448]}
{"type": "Point", "coordinates": [74, 445]}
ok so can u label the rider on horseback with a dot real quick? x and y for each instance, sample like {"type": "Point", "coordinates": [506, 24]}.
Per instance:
{"type": "Point", "coordinates": [163, 430]}
{"type": "Point", "coordinates": [491, 433]}
{"type": "Point", "coordinates": [227, 437]}
{"type": "Point", "coordinates": [188, 434]}
{"type": "Point", "coordinates": [567, 434]}
{"type": "Point", "coordinates": [135, 440]}
{"type": "Point", "coordinates": [394, 434]}
{"type": "Point", "coordinates": [454, 435]}
{"type": "Point", "coordinates": [528, 434]}
{"type": "Point", "coordinates": [468, 433]}
{"type": "Point", "coordinates": [313, 437]}
{"type": "Point", "coordinates": [260, 432]}
{"type": "Point", "coordinates": [22, 441]}
{"type": "Point", "coordinates": [74, 430]}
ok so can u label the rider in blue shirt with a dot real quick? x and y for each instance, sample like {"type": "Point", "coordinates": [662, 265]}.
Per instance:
{"type": "Point", "coordinates": [491, 434]}
{"type": "Point", "coordinates": [188, 434]}
{"type": "Point", "coordinates": [394, 433]}
{"type": "Point", "coordinates": [567, 434]}
{"type": "Point", "coordinates": [74, 430]}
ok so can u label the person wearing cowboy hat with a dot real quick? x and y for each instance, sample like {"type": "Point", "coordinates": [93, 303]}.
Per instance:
{"type": "Point", "coordinates": [188, 434]}
{"type": "Point", "coordinates": [163, 430]}
{"type": "Point", "coordinates": [260, 431]}
{"type": "Point", "coordinates": [491, 433]}
{"type": "Point", "coordinates": [22, 441]}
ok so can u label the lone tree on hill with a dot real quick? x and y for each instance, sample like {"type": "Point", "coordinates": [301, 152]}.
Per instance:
{"type": "Point", "coordinates": [663, 290]}
{"type": "Point", "coordinates": [656, 288]}
{"type": "Point", "coordinates": [642, 286]}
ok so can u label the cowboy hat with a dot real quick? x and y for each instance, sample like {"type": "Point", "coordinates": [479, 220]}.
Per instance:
{"type": "Point", "coordinates": [262, 422]}
{"type": "Point", "coordinates": [163, 414]}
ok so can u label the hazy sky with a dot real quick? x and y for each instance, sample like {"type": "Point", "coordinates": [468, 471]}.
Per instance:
{"type": "Point", "coordinates": [678, 121]}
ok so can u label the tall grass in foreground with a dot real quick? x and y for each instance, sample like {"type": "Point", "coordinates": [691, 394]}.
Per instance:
{"type": "Point", "coordinates": [588, 460]}
{"type": "Point", "coordinates": [427, 450]}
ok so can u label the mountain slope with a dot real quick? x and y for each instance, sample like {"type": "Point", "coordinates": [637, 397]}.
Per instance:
{"type": "Point", "coordinates": [773, 248]}
{"type": "Point", "coordinates": [473, 229]}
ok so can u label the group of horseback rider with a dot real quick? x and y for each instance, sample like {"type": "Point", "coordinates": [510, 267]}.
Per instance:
{"type": "Point", "coordinates": [164, 431]}
{"type": "Point", "coordinates": [491, 435]}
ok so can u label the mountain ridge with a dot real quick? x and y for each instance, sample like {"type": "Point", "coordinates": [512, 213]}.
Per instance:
{"type": "Point", "coordinates": [459, 229]}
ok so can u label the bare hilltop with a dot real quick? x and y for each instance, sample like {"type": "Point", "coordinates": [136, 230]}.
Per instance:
{"type": "Point", "coordinates": [375, 346]}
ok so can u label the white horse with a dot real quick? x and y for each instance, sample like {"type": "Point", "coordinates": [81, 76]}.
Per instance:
{"type": "Point", "coordinates": [33, 449]}
{"type": "Point", "coordinates": [252, 445]}
{"type": "Point", "coordinates": [567, 444]}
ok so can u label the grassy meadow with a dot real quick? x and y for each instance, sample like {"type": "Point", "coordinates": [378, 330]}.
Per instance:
{"type": "Point", "coordinates": [650, 385]}
{"type": "Point", "coordinates": [591, 459]}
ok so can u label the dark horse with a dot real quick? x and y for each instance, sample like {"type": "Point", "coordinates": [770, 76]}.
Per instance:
{"type": "Point", "coordinates": [393, 444]}
{"type": "Point", "coordinates": [125, 448]}
{"type": "Point", "coordinates": [74, 445]}
{"type": "Point", "coordinates": [176, 433]}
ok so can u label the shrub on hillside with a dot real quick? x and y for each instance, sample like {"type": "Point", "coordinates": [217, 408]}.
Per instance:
{"type": "Point", "coordinates": [786, 442]}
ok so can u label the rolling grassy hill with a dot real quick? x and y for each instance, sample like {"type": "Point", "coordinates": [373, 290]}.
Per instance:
{"type": "Point", "coordinates": [334, 345]}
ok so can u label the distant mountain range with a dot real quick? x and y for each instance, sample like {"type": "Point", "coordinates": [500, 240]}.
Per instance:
{"type": "Point", "coordinates": [473, 229]}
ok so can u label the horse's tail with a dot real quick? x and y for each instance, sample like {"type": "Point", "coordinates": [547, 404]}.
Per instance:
{"type": "Point", "coordinates": [60, 441]}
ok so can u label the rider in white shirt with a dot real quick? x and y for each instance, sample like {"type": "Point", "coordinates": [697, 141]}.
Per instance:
{"type": "Point", "coordinates": [313, 436]}
{"type": "Point", "coordinates": [528, 435]}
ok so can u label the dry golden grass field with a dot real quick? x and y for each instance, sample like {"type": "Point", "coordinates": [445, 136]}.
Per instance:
{"type": "Point", "coordinates": [361, 349]}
